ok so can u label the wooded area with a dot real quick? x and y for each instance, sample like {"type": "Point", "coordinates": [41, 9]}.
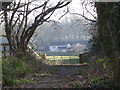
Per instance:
{"type": "Point", "coordinates": [102, 68]}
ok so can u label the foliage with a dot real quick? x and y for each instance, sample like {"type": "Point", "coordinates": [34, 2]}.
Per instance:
{"type": "Point", "coordinates": [104, 82]}
{"type": "Point", "coordinates": [33, 63]}
{"type": "Point", "coordinates": [12, 69]}
{"type": "Point", "coordinates": [103, 61]}
{"type": "Point", "coordinates": [96, 82]}
{"type": "Point", "coordinates": [21, 81]}
{"type": "Point", "coordinates": [97, 68]}
{"type": "Point", "coordinates": [11, 81]}
{"type": "Point", "coordinates": [96, 41]}
{"type": "Point", "coordinates": [7, 80]}
{"type": "Point", "coordinates": [76, 84]}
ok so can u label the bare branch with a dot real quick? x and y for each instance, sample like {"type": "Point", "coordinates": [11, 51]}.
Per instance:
{"type": "Point", "coordinates": [84, 17]}
{"type": "Point", "coordinates": [17, 22]}
{"type": "Point", "coordinates": [90, 12]}
{"type": "Point", "coordinates": [39, 19]}
{"type": "Point", "coordinates": [14, 11]}
{"type": "Point", "coordinates": [64, 13]}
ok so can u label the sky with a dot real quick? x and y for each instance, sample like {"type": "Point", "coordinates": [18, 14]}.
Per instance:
{"type": "Point", "coordinates": [74, 7]}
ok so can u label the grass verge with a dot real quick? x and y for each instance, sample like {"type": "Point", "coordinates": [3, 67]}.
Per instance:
{"type": "Point", "coordinates": [13, 69]}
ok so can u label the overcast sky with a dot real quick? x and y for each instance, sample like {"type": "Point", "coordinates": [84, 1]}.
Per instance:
{"type": "Point", "coordinates": [74, 7]}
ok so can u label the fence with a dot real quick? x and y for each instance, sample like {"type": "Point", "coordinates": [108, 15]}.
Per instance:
{"type": "Point", "coordinates": [71, 59]}
{"type": "Point", "coordinates": [4, 47]}
{"type": "Point", "coordinates": [5, 51]}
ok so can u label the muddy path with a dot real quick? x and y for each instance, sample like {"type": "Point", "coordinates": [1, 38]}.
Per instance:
{"type": "Point", "coordinates": [55, 76]}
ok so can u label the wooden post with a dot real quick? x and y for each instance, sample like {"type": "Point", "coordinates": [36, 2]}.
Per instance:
{"type": "Point", "coordinates": [43, 56]}
{"type": "Point", "coordinates": [4, 51]}
{"type": "Point", "coordinates": [81, 58]}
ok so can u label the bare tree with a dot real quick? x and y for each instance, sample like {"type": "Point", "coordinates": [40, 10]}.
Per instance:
{"type": "Point", "coordinates": [16, 18]}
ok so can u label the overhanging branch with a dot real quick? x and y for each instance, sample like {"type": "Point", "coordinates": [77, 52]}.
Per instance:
{"type": "Point", "coordinates": [84, 17]}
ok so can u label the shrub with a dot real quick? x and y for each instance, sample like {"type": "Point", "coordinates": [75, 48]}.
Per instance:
{"type": "Point", "coordinates": [12, 69]}
{"type": "Point", "coordinates": [98, 82]}
{"type": "Point", "coordinates": [7, 80]}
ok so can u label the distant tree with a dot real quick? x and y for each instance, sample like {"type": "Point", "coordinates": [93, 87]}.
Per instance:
{"type": "Point", "coordinates": [16, 20]}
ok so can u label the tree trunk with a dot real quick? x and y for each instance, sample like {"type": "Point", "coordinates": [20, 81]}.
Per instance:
{"type": "Point", "coordinates": [104, 11]}
{"type": "Point", "coordinates": [20, 51]}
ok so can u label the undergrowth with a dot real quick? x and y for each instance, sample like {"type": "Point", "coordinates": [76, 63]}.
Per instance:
{"type": "Point", "coordinates": [13, 69]}
{"type": "Point", "coordinates": [100, 82]}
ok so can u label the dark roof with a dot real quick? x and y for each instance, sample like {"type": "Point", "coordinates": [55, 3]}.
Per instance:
{"type": "Point", "coordinates": [85, 42]}
{"type": "Point", "coordinates": [57, 43]}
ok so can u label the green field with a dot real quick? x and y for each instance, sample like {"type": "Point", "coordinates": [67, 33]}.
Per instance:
{"type": "Point", "coordinates": [62, 59]}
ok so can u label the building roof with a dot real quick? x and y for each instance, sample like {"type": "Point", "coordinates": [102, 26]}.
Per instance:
{"type": "Point", "coordinates": [85, 42]}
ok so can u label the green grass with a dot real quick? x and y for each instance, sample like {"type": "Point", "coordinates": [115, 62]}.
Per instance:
{"type": "Point", "coordinates": [72, 61]}
{"type": "Point", "coordinates": [62, 59]}
{"type": "Point", "coordinates": [22, 81]}
{"type": "Point", "coordinates": [12, 69]}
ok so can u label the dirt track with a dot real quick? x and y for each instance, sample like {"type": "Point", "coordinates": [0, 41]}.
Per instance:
{"type": "Point", "coordinates": [55, 76]}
